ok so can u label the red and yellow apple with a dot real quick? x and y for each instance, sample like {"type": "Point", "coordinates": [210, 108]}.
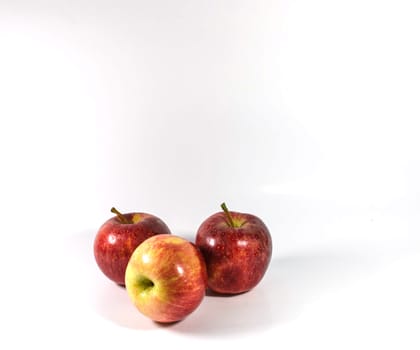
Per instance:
{"type": "Point", "coordinates": [166, 278]}
{"type": "Point", "coordinates": [119, 236]}
{"type": "Point", "coordinates": [237, 249]}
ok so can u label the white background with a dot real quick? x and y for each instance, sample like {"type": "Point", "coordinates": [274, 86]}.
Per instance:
{"type": "Point", "coordinates": [305, 113]}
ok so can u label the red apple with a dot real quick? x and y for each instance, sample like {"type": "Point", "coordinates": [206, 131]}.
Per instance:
{"type": "Point", "coordinates": [166, 278]}
{"type": "Point", "coordinates": [119, 236]}
{"type": "Point", "coordinates": [237, 249]}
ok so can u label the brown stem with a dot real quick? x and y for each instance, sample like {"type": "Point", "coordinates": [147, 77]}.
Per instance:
{"type": "Point", "coordinates": [121, 217]}
{"type": "Point", "coordinates": [228, 215]}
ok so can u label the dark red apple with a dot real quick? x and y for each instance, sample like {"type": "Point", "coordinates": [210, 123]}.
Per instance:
{"type": "Point", "coordinates": [237, 249]}
{"type": "Point", "coordinates": [119, 236]}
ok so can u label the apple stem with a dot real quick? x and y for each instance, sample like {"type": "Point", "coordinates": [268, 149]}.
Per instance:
{"type": "Point", "coordinates": [121, 217]}
{"type": "Point", "coordinates": [228, 215]}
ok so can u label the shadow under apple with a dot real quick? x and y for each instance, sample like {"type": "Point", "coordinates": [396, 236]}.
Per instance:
{"type": "Point", "coordinates": [106, 298]}
{"type": "Point", "coordinates": [290, 283]}
{"type": "Point", "coordinates": [111, 302]}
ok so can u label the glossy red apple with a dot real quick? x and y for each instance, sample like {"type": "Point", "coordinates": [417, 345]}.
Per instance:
{"type": "Point", "coordinates": [166, 278]}
{"type": "Point", "coordinates": [237, 249]}
{"type": "Point", "coordinates": [119, 236]}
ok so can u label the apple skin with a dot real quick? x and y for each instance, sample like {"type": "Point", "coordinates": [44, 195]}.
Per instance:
{"type": "Point", "coordinates": [236, 257]}
{"type": "Point", "coordinates": [115, 241]}
{"type": "Point", "coordinates": [166, 278]}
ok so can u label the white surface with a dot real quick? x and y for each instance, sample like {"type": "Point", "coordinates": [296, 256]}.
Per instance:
{"type": "Point", "coordinates": [304, 113]}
